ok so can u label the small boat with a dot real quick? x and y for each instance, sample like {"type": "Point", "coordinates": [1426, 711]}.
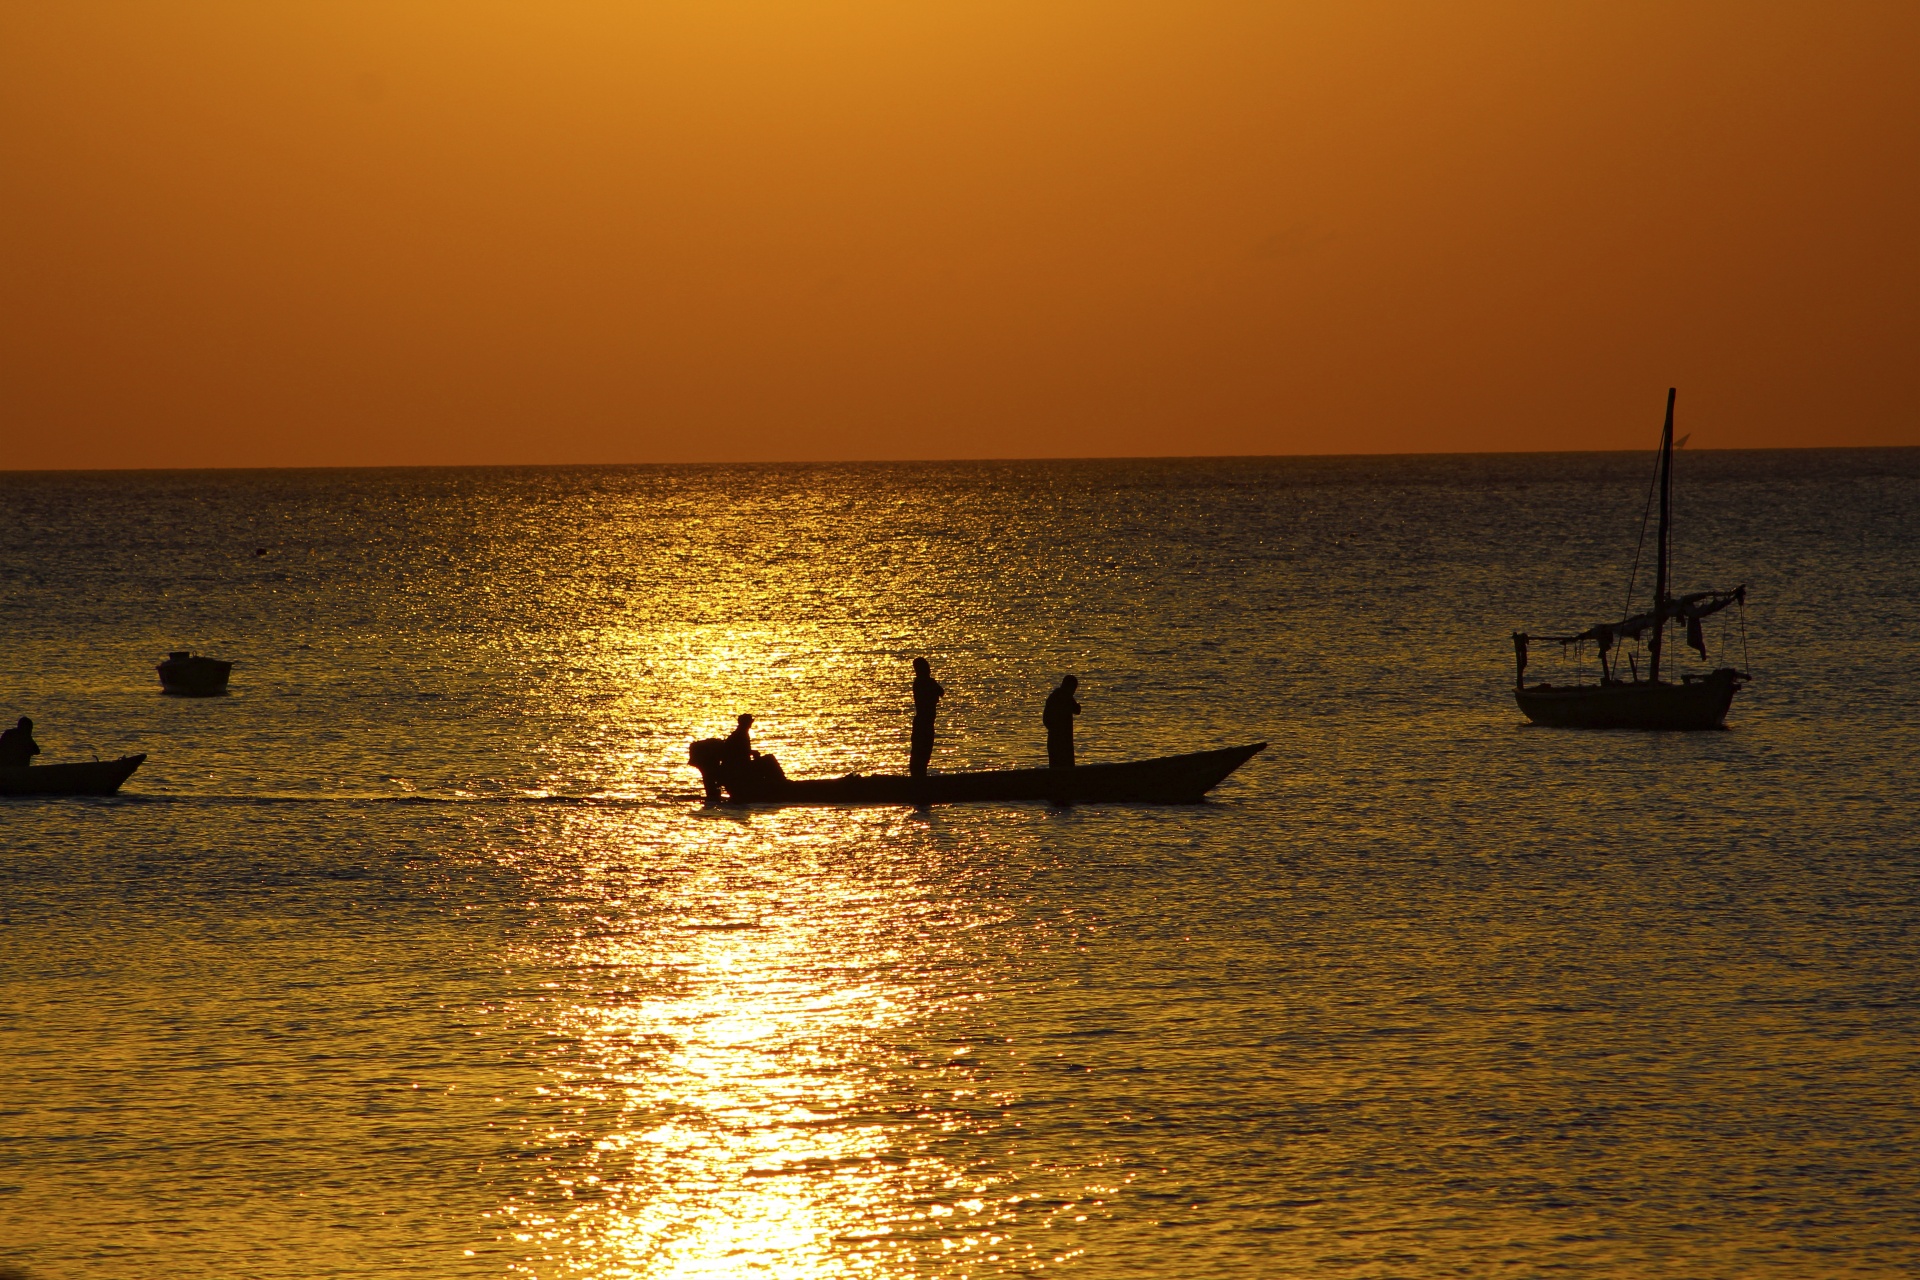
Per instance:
{"type": "Point", "coordinates": [1698, 701]}
{"type": "Point", "coordinates": [192, 677]}
{"type": "Point", "coordinates": [86, 778]}
{"type": "Point", "coordinates": [1166, 780]}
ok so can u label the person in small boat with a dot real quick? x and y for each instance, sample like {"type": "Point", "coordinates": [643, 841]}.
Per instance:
{"type": "Point", "coordinates": [17, 747]}
{"type": "Point", "coordinates": [1058, 717]}
{"type": "Point", "coordinates": [731, 763]}
{"type": "Point", "coordinates": [719, 758]}
{"type": "Point", "coordinates": [926, 699]}
{"type": "Point", "coordinates": [736, 749]}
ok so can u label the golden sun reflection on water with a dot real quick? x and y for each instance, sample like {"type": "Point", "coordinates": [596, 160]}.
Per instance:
{"type": "Point", "coordinates": [749, 1109]}
{"type": "Point", "coordinates": [768, 1054]}
{"type": "Point", "coordinates": [727, 1069]}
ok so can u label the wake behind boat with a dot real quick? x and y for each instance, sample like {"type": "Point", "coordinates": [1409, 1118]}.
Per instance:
{"type": "Point", "coordinates": [85, 778]}
{"type": "Point", "coordinates": [1183, 779]}
{"type": "Point", "coordinates": [1698, 701]}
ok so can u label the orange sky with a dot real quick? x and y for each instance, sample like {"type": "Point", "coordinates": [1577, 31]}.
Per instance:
{"type": "Point", "coordinates": [448, 231]}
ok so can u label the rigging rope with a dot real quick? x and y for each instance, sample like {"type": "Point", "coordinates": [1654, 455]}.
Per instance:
{"type": "Point", "coordinates": [1639, 546]}
{"type": "Point", "coordinates": [1746, 663]}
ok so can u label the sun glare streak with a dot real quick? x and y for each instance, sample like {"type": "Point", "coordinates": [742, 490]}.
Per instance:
{"type": "Point", "coordinates": [722, 1061]}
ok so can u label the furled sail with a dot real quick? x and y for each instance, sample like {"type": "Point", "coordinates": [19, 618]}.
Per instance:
{"type": "Point", "coordinates": [1689, 609]}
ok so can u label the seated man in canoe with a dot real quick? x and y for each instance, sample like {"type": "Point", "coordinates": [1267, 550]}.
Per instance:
{"type": "Point", "coordinates": [17, 747]}
{"type": "Point", "coordinates": [732, 763]}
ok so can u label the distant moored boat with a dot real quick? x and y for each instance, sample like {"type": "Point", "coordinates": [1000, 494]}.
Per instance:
{"type": "Point", "coordinates": [1698, 701]}
{"type": "Point", "coordinates": [192, 677]}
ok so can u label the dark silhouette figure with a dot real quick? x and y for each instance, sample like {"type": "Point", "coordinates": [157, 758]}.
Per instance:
{"type": "Point", "coordinates": [736, 749]}
{"type": "Point", "coordinates": [926, 698]}
{"type": "Point", "coordinates": [717, 759]}
{"type": "Point", "coordinates": [17, 747]}
{"type": "Point", "coordinates": [1058, 717]}
{"type": "Point", "coordinates": [731, 762]}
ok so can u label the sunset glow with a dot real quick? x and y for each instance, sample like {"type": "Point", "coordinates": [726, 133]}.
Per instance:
{"type": "Point", "coordinates": [370, 233]}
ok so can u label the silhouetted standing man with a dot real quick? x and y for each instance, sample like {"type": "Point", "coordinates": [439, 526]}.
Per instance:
{"type": "Point", "coordinates": [17, 747]}
{"type": "Point", "coordinates": [926, 698]}
{"type": "Point", "coordinates": [1058, 717]}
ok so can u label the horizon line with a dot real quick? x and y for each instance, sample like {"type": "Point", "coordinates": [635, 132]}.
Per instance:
{"type": "Point", "coordinates": [941, 462]}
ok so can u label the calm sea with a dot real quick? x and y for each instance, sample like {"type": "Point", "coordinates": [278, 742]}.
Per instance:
{"type": "Point", "coordinates": [416, 956]}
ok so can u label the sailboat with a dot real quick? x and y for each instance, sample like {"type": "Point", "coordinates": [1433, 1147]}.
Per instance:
{"type": "Point", "coordinates": [1695, 702]}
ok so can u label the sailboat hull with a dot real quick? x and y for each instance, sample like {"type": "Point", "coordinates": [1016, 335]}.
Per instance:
{"type": "Point", "coordinates": [1692, 704]}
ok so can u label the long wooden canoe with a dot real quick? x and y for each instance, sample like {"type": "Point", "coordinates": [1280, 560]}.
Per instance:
{"type": "Point", "coordinates": [87, 778]}
{"type": "Point", "coordinates": [1166, 780]}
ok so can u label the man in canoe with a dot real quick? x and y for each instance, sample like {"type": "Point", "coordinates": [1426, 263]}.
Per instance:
{"type": "Point", "coordinates": [736, 749]}
{"type": "Point", "coordinates": [719, 758]}
{"type": "Point", "coordinates": [732, 763]}
{"type": "Point", "coordinates": [926, 698]}
{"type": "Point", "coordinates": [1058, 717]}
{"type": "Point", "coordinates": [17, 747]}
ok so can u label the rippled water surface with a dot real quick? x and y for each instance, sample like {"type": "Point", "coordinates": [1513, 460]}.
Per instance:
{"type": "Point", "coordinates": [417, 956]}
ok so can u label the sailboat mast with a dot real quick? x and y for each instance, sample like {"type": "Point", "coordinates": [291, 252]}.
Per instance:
{"type": "Point", "coordinates": [1660, 573]}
